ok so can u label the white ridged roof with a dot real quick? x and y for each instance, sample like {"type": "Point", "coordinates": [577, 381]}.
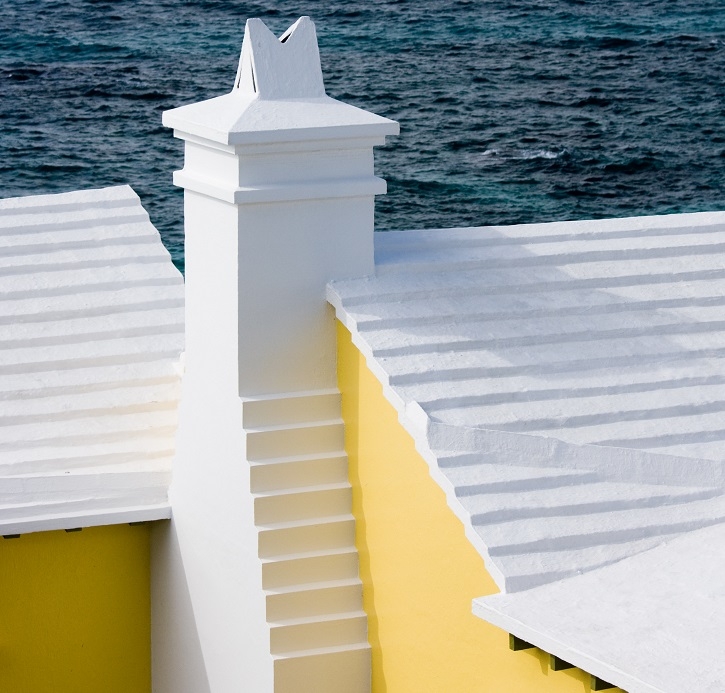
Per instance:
{"type": "Point", "coordinates": [564, 382]}
{"type": "Point", "coordinates": [91, 330]}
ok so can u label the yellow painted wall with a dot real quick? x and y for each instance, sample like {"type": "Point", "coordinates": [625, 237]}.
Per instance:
{"type": "Point", "coordinates": [75, 611]}
{"type": "Point", "coordinates": [419, 571]}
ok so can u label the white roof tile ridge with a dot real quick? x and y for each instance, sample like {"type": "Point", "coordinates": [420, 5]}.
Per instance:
{"type": "Point", "coordinates": [71, 289]}
{"type": "Point", "coordinates": [579, 226]}
{"type": "Point", "coordinates": [561, 366]}
{"type": "Point", "coordinates": [437, 265]}
{"type": "Point", "coordinates": [90, 339]}
{"type": "Point", "coordinates": [495, 283]}
{"type": "Point", "coordinates": [490, 236]}
{"type": "Point", "coordinates": [435, 440]}
{"type": "Point", "coordinates": [611, 462]}
{"type": "Point", "coordinates": [134, 220]}
{"type": "Point", "coordinates": [55, 460]}
{"type": "Point", "coordinates": [646, 383]}
{"type": "Point", "coordinates": [674, 327]}
{"type": "Point", "coordinates": [631, 464]}
{"type": "Point", "coordinates": [113, 196]}
{"type": "Point", "coordinates": [57, 338]}
{"type": "Point", "coordinates": [49, 316]}
{"type": "Point", "coordinates": [35, 249]}
{"type": "Point", "coordinates": [427, 315]}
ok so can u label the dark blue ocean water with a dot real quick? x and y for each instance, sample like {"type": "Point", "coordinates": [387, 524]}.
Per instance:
{"type": "Point", "coordinates": [511, 111]}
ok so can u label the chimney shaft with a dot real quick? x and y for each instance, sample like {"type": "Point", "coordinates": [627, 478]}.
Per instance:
{"type": "Point", "coordinates": [279, 198]}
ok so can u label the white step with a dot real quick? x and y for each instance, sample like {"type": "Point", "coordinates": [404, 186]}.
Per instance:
{"type": "Point", "coordinates": [42, 225]}
{"type": "Point", "coordinates": [650, 434]}
{"type": "Point", "coordinates": [299, 439]}
{"type": "Point", "coordinates": [303, 503]}
{"type": "Point", "coordinates": [94, 303]}
{"type": "Point", "coordinates": [321, 630]}
{"type": "Point", "coordinates": [80, 278]}
{"type": "Point", "coordinates": [81, 502]}
{"type": "Point", "coordinates": [376, 318]}
{"type": "Point", "coordinates": [511, 330]}
{"type": "Point", "coordinates": [309, 566]}
{"type": "Point", "coordinates": [307, 601]}
{"type": "Point", "coordinates": [470, 480]}
{"type": "Point", "coordinates": [580, 499]}
{"type": "Point", "coordinates": [148, 447]}
{"type": "Point", "coordinates": [87, 430]}
{"type": "Point", "coordinates": [484, 359]}
{"type": "Point", "coordinates": [315, 534]}
{"type": "Point", "coordinates": [85, 328]}
{"type": "Point", "coordinates": [642, 378]}
{"type": "Point", "coordinates": [71, 381]}
{"type": "Point", "coordinates": [573, 257]}
{"type": "Point", "coordinates": [339, 669]}
{"type": "Point", "coordinates": [634, 278]}
{"type": "Point", "coordinates": [291, 472]}
{"type": "Point", "coordinates": [60, 486]}
{"type": "Point", "coordinates": [292, 408]}
{"type": "Point", "coordinates": [529, 570]}
{"type": "Point", "coordinates": [89, 255]}
{"type": "Point", "coordinates": [580, 531]}
{"type": "Point", "coordinates": [57, 407]}
{"type": "Point", "coordinates": [600, 410]}
{"type": "Point", "coordinates": [92, 355]}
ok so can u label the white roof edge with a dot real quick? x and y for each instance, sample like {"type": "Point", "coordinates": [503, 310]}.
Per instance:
{"type": "Point", "coordinates": [233, 119]}
{"type": "Point", "coordinates": [48, 521]}
{"type": "Point", "coordinates": [76, 197]}
{"type": "Point", "coordinates": [672, 220]}
{"type": "Point", "coordinates": [551, 645]}
{"type": "Point", "coordinates": [414, 420]}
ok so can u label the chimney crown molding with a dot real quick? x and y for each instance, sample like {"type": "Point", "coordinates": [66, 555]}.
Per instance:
{"type": "Point", "coordinates": [278, 96]}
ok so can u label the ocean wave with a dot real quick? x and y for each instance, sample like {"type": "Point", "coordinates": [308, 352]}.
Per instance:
{"type": "Point", "coordinates": [530, 111]}
{"type": "Point", "coordinates": [522, 154]}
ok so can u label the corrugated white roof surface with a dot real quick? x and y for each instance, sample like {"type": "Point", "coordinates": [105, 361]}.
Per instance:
{"type": "Point", "coordinates": [91, 330]}
{"type": "Point", "coordinates": [565, 383]}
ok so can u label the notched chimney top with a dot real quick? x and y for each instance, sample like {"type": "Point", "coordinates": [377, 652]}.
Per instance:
{"type": "Point", "coordinates": [284, 68]}
{"type": "Point", "coordinates": [278, 96]}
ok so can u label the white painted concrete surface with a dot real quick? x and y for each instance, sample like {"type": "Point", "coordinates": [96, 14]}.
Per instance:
{"type": "Point", "coordinates": [278, 191]}
{"type": "Point", "coordinates": [91, 329]}
{"type": "Point", "coordinates": [564, 383]}
{"type": "Point", "coordinates": [649, 624]}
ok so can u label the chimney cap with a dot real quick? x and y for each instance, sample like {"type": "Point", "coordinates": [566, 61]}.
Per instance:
{"type": "Point", "coordinates": [278, 95]}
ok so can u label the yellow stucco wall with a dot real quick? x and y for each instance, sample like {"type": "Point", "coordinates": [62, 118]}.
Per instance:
{"type": "Point", "coordinates": [419, 571]}
{"type": "Point", "coordinates": [75, 611]}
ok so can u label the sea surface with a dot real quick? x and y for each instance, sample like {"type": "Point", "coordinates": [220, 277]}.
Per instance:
{"type": "Point", "coordinates": [510, 111]}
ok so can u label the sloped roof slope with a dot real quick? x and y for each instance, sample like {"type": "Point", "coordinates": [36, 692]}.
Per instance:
{"type": "Point", "coordinates": [91, 330]}
{"type": "Point", "coordinates": [564, 382]}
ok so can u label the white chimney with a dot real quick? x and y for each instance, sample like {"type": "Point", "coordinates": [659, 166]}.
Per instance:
{"type": "Point", "coordinates": [279, 191]}
{"type": "Point", "coordinates": [278, 200]}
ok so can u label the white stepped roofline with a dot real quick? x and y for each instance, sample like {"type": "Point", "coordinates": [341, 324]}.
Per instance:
{"type": "Point", "coordinates": [48, 519]}
{"type": "Point", "coordinates": [431, 437]}
{"type": "Point", "coordinates": [621, 464]}
{"type": "Point", "coordinates": [52, 202]}
{"type": "Point", "coordinates": [578, 226]}
{"type": "Point", "coordinates": [88, 326]}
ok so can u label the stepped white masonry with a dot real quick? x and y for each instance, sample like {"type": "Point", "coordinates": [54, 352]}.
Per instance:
{"type": "Point", "coordinates": [91, 330]}
{"type": "Point", "coordinates": [564, 383]}
{"type": "Point", "coordinates": [278, 200]}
